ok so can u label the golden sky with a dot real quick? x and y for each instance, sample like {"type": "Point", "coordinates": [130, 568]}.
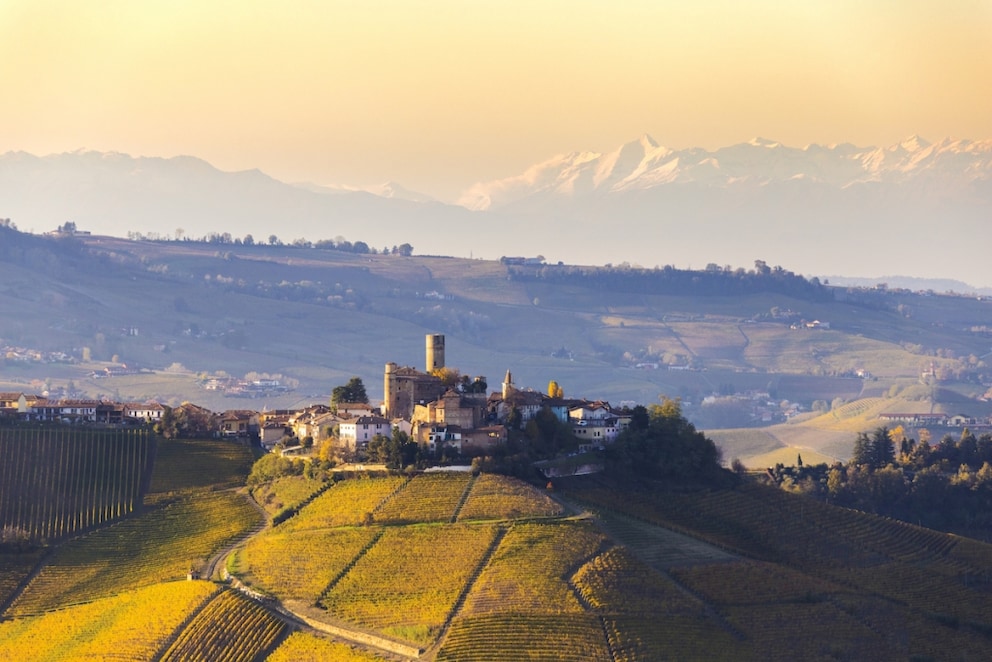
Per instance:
{"type": "Point", "coordinates": [439, 94]}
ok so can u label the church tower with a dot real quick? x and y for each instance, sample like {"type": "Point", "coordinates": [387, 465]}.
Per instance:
{"type": "Point", "coordinates": [508, 387]}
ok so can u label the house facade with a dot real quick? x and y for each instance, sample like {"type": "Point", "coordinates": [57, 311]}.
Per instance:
{"type": "Point", "coordinates": [358, 432]}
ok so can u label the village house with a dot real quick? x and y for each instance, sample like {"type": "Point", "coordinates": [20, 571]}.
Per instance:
{"type": "Point", "coordinates": [595, 423]}
{"type": "Point", "coordinates": [526, 402]}
{"type": "Point", "coordinates": [439, 436]}
{"type": "Point", "coordinates": [484, 440]}
{"type": "Point", "coordinates": [238, 423]}
{"type": "Point", "coordinates": [358, 432]}
{"type": "Point", "coordinates": [317, 422]}
{"type": "Point", "coordinates": [466, 410]}
{"type": "Point", "coordinates": [150, 412]}
{"type": "Point", "coordinates": [355, 409]}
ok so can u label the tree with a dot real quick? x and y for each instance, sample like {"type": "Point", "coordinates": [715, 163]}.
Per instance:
{"type": "Point", "coordinates": [406, 250]}
{"type": "Point", "coordinates": [639, 419]}
{"type": "Point", "coordinates": [353, 391]}
{"type": "Point", "coordinates": [449, 377]}
{"type": "Point", "coordinates": [670, 448]}
{"type": "Point", "coordinates": [554, 390]}
{"type": "Point", "coordinates": [882, 449]}
{"type": "Point", "coordinates": [861, 454]}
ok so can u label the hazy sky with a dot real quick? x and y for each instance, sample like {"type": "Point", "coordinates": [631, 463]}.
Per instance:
{"type": "Point", "coordinates": [439, 94]}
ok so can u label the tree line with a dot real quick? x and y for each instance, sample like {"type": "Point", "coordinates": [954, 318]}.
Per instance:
{"type": "Point", "coordinates": [713, 281]}
{"type": "Point", "coordinates": [227, 239]}
{"type": "Point", "coordinates": [946, 485]}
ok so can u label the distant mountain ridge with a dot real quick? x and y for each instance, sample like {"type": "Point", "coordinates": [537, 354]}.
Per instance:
{"type": "Point", "coordinates": [644, 164]}
{"type": "Point", "coordinates": [915, 208]}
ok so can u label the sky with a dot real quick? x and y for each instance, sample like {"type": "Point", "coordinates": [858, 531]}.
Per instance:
{"type": "Point", "coordinates": [440, 94]}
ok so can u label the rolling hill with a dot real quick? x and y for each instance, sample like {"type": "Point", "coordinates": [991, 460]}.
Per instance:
{"type": "Point", "coordinates": [463, 567]}
{"type": "Point", "coordinates": [176, 312]}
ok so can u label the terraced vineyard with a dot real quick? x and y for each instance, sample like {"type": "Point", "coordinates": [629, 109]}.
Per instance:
{"type": "Point", "coordinates": [230, 628]}
{"type": "Point", "coordinates": [132, 625]}
{"type": "Point", "coordinates": [413, 575]}
{"type": "Point", "coordinates": [496, 496]}
{"type": "Point", "coordinates": [578, 638]}
{"type": "Point", "coordinates": [14, 569]}
{"type": "Point", "coordinates": [159, 545]}
{"type": "Point", "coordinates": [191, 464]}
{"type": "Point", "coordinates": [455, 567]}
{"type": "Point", "coordinates": [511, 584]}
{"type": "Point", "coordinates": [843, 576]}
{"type": "Point", "coordinates": [300, 565]}
{"type": "Point", "coordinates": [57, 480]}
{"type": "Point", "coordinates": [345, 504]}
{"type": "Point", "coordinates": [303, 647]}
{"type": "Point", "coordinates": [286, 492]}
{"type": "Point", "coordinates": [433, 497]}
{"type": "Point", "coordinates": [406, 584]}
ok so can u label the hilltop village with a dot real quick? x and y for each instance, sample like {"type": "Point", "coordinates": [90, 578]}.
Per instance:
{"type": "Point", "coordinates": [446, 414]}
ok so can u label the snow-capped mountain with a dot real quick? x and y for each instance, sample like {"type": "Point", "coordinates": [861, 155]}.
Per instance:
{"type": "Point", "coordinates": [915, 208]}
{"type": "Point", "coordinates": [390, 190]}
{"type": "Point", "coordinates": [643, 164]}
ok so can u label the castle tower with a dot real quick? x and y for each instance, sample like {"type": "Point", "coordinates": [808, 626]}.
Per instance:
{"type": "Point", "coordinates": [435, 352]}
{"type": "Point", "coordinates": [388, 389]}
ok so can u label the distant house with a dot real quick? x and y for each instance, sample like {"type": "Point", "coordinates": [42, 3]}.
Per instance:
{"type": "Point", "coordinates": [317, 425]}
{"type": "Point", "coordinates": [483, 441]}
{"type": "Point", "coordinates": [238, 423]}
{"type": "Point", "coordinates": [13, 404]}
{"type": "Point", "coordinates": [915, 418]}
{"type": "Point", "coordinates": [440, 436]}
{"type": "Point", "coordinates": [271, 433]}
{"type": "Point", "coordinates": [354, 409]}
{"type": "Point", "coordinates": [65, 411]}
{"type": "Point", "coordinates": [148, 411]}
{"type": "Point", "coordinates": [358, 432]}
{"type": "Point", "coordinates": [594, 423]}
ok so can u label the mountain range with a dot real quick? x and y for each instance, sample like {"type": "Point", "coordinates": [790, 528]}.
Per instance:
{"type": "Point", "coordinates": [916, 209]}
{"type": "Point", "coordinates": [949, 167]}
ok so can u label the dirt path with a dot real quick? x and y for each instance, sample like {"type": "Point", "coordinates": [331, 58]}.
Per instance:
{"type": "Point", "coordinates": [210, 571]}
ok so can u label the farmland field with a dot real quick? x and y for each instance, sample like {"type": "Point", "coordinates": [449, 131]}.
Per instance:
{"type": "Point", "coordinates": [530, 569]}
{"type": "Point", "coordinates": [301, 564]}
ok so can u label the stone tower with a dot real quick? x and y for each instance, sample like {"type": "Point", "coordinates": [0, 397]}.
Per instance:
{"type": "Point", "coordinates": [435, 352]}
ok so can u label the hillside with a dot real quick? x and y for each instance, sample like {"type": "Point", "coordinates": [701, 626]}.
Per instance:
{"type": "Point", "coordinates": [177, 312]}
{"type": "Point", "coordinates": [463, 567]}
